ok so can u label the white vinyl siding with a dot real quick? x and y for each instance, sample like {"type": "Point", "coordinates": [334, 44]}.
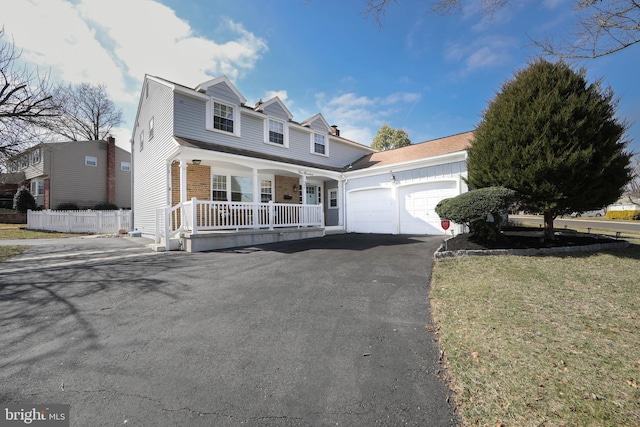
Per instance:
{"type": "Point", "coordinates": [151, 168]}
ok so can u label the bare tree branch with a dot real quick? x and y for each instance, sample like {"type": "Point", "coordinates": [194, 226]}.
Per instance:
{"type": "Point", "coordinates": [602, 27]}
{"type": "Point", "coordinates": [26, 103]}
{"type": "Point", "coordinates": [87, 112]}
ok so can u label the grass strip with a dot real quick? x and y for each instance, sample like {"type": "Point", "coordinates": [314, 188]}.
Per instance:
{"type": "Point", "coordinates": [10, 251]}
{"type": "Point", "coordinates": [548, 340]}
{"type": "Point", "coordinates": [19, 231]}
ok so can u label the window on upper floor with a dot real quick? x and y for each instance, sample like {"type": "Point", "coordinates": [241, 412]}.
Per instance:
{"type": "Point", "coordinates": [35, 156]}
{"type": "Point", "coordinates": [319, 144]}
{"type": "Point", "coordinates": [151, 128]}
{"type": "Point", "coordinates": [276, 132]}
{"type": "Point", "coordinates": [141, 140]}
{"type": "Point", "coordinates": [125, 166]}
{"type": "Point", "coordinates": [24, 161]}
{"type": "Point", "coordinates": [90, 161]}
{"type": "Point", "coordinates": [223, 117]}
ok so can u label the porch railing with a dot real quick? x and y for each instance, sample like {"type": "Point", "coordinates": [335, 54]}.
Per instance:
{"type": "Point", "coordinates": [203, 215]}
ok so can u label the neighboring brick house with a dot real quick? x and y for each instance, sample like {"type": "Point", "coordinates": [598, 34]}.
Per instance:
{"type": "Point", "coordinates": [86, 173]}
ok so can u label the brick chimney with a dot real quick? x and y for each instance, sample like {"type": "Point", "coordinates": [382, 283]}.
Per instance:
{"type": "Point", "coordinates": [335, 131]}
{"type": "Point", "coordinates": [111, 169]}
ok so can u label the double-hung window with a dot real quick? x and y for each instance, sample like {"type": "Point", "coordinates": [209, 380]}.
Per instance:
{"type": "Point", "coordinates": [319, 144]}
{"type": "Point", "coordinates": [265, 191]}
{"type": "Point", "coordinates": [333, 198]}
{"type": "Point", "coordinates": [219, 188]}
{"type": "Point", "coordinates": [223, 117]}
{"type": "Point", "coordinates": [276, 132]}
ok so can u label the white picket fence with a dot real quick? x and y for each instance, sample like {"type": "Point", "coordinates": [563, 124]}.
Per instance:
{"type": "Point", "coordinates": [85, 221]}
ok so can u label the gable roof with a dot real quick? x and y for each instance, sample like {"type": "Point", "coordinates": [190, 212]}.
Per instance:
{"type": "Point", "coordinates": [423, 150]}
{"type": "Point", "coordinates": [202, 87]}
{"type": "Point", "coordinates": [318, 116]}
{"type": "Point", "coordinates": [261, 106]}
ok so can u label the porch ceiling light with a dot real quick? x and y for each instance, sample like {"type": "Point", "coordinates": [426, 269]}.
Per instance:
{"type": "Point", "coordinates": [196, 161]}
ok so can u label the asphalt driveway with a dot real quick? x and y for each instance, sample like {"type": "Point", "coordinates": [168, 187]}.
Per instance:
{"type": "Point", "coordinates": [330, 331]}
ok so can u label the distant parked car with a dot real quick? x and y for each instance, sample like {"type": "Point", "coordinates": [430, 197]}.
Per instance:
{"type": "Point", "coordinates": [598, 212]}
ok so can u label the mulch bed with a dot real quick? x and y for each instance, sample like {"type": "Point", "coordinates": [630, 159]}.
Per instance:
{"type": "Point", "coordinates": [524, 238]}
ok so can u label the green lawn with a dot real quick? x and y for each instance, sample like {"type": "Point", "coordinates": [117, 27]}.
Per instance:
{"type": "Point", "coordinates": [547, 340]}
{"type": "Point", "coordinates": [19, 232]}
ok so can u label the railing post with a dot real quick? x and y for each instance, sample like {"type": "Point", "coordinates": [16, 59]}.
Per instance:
{"type": "Point", "coordinates": [167, 228]}
{"type": "Point", "coordinates": [194, 215]}
{"type": "Point", "coordinates": [271, 215]}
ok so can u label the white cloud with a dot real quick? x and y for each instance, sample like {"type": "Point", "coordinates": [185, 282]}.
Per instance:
{"type": "Point", "coordinates": [359, 117]}
{"type": "Point", "coordinates": [95, 41]}
{"type": "Point", "coordinates": [282, 94]}
{"type": "Point", "coordinates": [483, 52]}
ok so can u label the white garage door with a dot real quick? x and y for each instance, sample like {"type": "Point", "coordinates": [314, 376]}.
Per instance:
{"type": "Point", "coordinates": [417, 206]}
{"type": "Point", "coordinates": [371, 211]}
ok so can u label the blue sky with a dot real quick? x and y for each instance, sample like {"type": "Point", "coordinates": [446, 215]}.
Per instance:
{"type": "Point", "coordinates": [429, 75]}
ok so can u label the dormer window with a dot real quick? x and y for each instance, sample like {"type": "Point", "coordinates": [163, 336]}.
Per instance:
{"type": "Point", "coordinates": [222, 117]}
{"type": "Point", "coordinates": [276, 132]}
{"type": "Point", "coordinates": [319, 143]}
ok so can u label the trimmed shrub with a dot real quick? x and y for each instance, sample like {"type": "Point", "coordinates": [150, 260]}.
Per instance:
{"type": "Point", "coordinates": [23, 201]}
{"type": "Point", "coordinates": [474, 208]}
{"type": "Point", "coordinates": [105, 207]}
{"type": "Point", "coordinates": [623, 215]}
{"type": "Point", "coordinates": [67, 207]}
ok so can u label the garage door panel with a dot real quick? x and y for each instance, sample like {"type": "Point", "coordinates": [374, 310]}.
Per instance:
{"type": "Point", "coordinates": [371, 211]}
{"type": "Point", "coordinates": [417, 206]}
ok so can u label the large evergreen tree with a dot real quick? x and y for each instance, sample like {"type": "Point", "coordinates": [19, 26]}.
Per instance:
{"type": "Point", "coordinates": [388, 138]}
{"type": "Point", "coordinates": [554, 139]}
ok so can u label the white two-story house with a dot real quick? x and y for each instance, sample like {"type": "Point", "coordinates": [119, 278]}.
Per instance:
{"type": "Point", "coordinates": [210, 172]}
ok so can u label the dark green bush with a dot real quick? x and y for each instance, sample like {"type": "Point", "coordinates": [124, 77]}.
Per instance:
{"type": "Point", "coordinates": [69, 206]}
{"type": "Point", "coordinates": [105, 207]}
{"type": "Point", "coordinates": [24, 201]}
{"type": "Point", "coordinates": [475, 207]}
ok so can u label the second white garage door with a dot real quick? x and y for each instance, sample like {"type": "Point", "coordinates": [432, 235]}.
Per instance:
{"type": "Point", "coordinates": [417, 206]}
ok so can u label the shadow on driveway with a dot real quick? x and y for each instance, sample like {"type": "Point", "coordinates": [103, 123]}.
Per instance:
{"type": "Point", "coordinates": [329, 331]}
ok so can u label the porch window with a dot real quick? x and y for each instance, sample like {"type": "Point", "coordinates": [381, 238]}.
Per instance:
{"type": "Point", "coordinates": [333, 199]}
{"type": "Point", "coordinates": [319, 146]}
{"type": "Point", "coordinates": [219, 188]}
{"type": "Point", "coordinates": [223, 117]}
{"type": "Point", "coordinates": [241, 189]}
{"type": "Point", "coordinates": [266, 194]}
{"type": "Point", "coordinates": [276, 132]}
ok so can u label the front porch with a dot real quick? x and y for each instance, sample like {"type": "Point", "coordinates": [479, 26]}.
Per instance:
{"type": "Point", "coordinates": [202, 225]}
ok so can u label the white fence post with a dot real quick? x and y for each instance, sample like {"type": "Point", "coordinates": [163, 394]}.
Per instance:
{"type": "Point", "coordinates": [194, 215]}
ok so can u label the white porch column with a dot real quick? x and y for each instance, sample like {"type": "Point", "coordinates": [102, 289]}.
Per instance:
{"type": "Point", "coordinates": [256, 198]}
{"type": "Point", "coordinates": [183, 180]}
{"type": "Point", "coordinates": [303, 189]}
{"type": "Point", "coordinates": [340, 203]}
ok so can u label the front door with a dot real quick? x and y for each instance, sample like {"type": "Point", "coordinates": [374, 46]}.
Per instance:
{"type": "Point", "coordinates": [312, 195]}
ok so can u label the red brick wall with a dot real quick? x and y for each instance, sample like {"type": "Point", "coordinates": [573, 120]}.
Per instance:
{"type": "Point", "coordinates": [284, 186]}
{"type": "Point", "coordinates": [198, 182]}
